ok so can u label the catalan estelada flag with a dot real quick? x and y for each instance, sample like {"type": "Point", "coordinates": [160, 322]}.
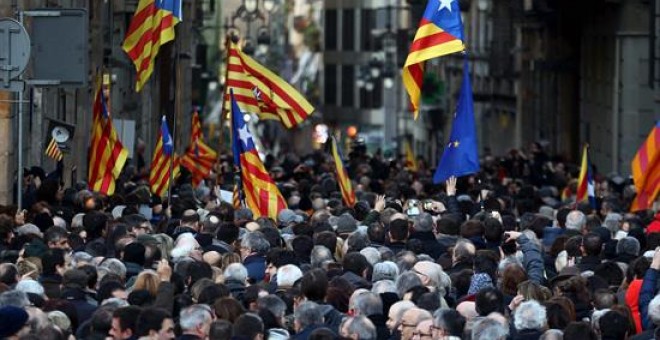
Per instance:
{"type": "Point", "coordinates": [258, 90]}
{"type": "Point", "coordinates": [164, 163]}
{"type": "Point", "coordinates": [107, 155]}
{"type": "Point", "coordinates": [261, 194]}
{"type": "Point", "coordinates": [199, 157]}
{"type": "Point", "coordinates": [585, 187]}
{"type": "Point", "coordinates": [53, 151]}
{"type": "Point", "coordinates": [152, 26]}
{"type": "Point", "coordinates": [342, 176]}
{"type": "Point", "coordinates": [440, 33]}
{"type": "Point", "coordinates": [646, 171]}
{"type": "Point", "coordinates": [411, 161]}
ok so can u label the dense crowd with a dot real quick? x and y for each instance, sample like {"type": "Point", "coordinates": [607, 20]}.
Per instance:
{"type": "Point", "coordinates": [503, 254]}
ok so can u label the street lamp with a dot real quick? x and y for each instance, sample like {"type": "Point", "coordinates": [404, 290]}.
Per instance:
{"type": "Point", "coordinates": [250, 5]}
{"type": "Point", "coordinates": [249, 12]}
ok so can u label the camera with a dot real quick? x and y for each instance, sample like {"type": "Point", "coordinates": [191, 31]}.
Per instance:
{"type": "Point", "coordinates": [413, 207]}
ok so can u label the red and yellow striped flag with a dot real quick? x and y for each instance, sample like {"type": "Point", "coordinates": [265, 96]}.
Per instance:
{"type": "Point", "coordinates": [236, 198]}
{"type": "Point", "coordinates": [53, 151]}
{"type": "Point", "coordinates": [260, 192]}
{"type": "Point", "coordinates": [199, 157]}
{"type": "Point", "coordinates": [440, 33]}
{"type": "Point", "coordinates": [258, 90]}
{"type": "Point", "coordinates": [152, 26]}
{"type": "Point", "coordinates": [646, 171]}
{"type": "Point", "coordinates": [163, 160]}
{"type": "Point", "coordinates": [107, 155]}
{"type": "Point", "coordinates": [411, 161]}
{"type": "Point", "coordinates": [342, 176]}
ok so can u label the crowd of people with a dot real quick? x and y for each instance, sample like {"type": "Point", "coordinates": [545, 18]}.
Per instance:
{"type": "Point", "coordinates": [507, 253]}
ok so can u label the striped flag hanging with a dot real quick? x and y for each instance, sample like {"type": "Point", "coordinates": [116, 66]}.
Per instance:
{"type": "Point", "coordinates": [342, 176]}
{"type": "Point", "coordinates": [199, 157]}
{"type": "Point", "coordinates": [107, 155]}
{"type": "Point", "coordinates": [646, 171]}
{"type": "Point", "coordinates": [585, 188]}
{"type": "Point", "coordinates": [260, 192]}
{"type": "Point", "coordinates": [260, 91]}
{"type": "Point", "coordinates": [162, 161]}
{"type": "Point", "coordinates": [53, 151]}
{"type": "Point", "coordinates": [152, 26]}
{"type": "Point", "coordinates": [440, 33]}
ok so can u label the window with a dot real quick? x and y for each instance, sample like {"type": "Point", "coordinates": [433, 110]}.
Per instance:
{"type": "Point", "coordinates": [347, 85]}
{"type": "Point", "coordinates": [331, 30]}
{"type": "Point", "coordinates": [368, 21]}
{"type": "Point", "coordinates": [330, 84]}
{"type": "Point", "coordinates": [348, 30]}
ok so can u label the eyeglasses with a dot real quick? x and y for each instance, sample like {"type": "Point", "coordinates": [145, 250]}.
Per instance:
{"type": "Point", "coordinates": [404, 325]}
{"type": "Point", "coordinates": [420, 334]}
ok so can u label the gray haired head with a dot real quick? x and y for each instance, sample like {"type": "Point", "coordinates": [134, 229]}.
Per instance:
{"type": "Point", "coordinates": [359, 326]}
{"type": "Point", "coordinates": [386, 270]}
{"type": "Point", "coordinates": [308, 313]}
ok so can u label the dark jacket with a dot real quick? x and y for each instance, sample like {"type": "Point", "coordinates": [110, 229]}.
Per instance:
{"type": "Point", "coordinates": [305, 333]}
{"type": "Point", "coordinates": [132, 269]}
{"type": "Point", "coordinates": [188, 337]}
{"type": "Point", "coordinates": [332, 318]}
{"type": "Point", "coordinates": [397, 247]}
{"type": "Point", "coordinates": [51, 284]}
{"type": "Point", "coordinates": [256, 267]}
{"type": "Point", "coordinates": [527, 334]}
{"type": "Point", "coordinates": [356, 281]}
{"type": "Point", "coordinates": [236, 289]}
{"type": "Point", "coordinates": [532, 259]}
{"type": "Point", "coordinates": [78, 298]}
{"type": "Point", "coordinates": [589, 262]}
{"type": "Point", "coordinates": [431, 245]}
{"type": "Point", "coordinates": [647, 294]}
{"type": "Point", "coordinates": [382, 332]}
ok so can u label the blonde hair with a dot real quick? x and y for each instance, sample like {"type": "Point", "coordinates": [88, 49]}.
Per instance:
{"type": "Point", "coordinates": [229, 258]}
{"type": "Point", "coordinates": [147, 280]}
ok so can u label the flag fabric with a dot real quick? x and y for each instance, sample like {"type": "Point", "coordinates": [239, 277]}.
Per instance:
{"type": "Point", "coordinates": [260, 192]}
{"type": "Point", "coordinates": [343, 180]}
{"type": "Point", "coordinates": [151, 27]}
{"type": "Point", "coordinates": [440, 33]}
{"type": "Point", "coordinates": [236, 198]}
{"type": "Point", "coordinates": [53, 150]}
{"type": "Point", "coordinates": [460, 156]}
{"type": "Point", "coordinates": [585, 188]}
{"type": "Point", "coordinates": [646, 171]}
{"type": "Point", "coordinates": [164, 162]}
{"type": "Point", "coordinates": [107, 155]}
{"type": "Point", "coordinates": [411, 161]}
{"type": "Point", "coordinates": [199, 157]}
{"type": "Point", "coordinates": [260, 91]}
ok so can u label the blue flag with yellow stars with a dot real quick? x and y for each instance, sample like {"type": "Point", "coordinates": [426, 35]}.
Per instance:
{"type": "Point", "coordinates": [460, 157]}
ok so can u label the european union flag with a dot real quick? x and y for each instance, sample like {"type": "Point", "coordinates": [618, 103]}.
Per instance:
{"type": "Point", "coordinates": [460, 156]}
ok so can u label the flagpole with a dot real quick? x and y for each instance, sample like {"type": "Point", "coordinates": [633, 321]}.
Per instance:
{"type": "Point", "coordinates": [177, 113]}
{"type": "Point", "coordinates": [225, 93]}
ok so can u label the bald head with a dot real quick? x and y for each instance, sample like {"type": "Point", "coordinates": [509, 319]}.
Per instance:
{"type": "Point", "coordinates": [410, 319]}
{"type": "Point", "coordinates": [396, 312]}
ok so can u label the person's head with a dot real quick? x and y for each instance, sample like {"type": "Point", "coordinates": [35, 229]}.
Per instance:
{"type": "Point", "coordinates": [368, 304]}
{"type": "Point", "coordinates": [628, 246]}
{"type": "Point", "coordinates": [254, 243]}
{"type": "Point", "coordinates": [57, 238]}
{"type": "Point", "coordinates": [396, 312]}
{"type": "Point", "coordinates": [423, 223]}
{"type": "Point", "coordinates": [386, 270]}
{"type": "Point", "coordinates": [579, 330]}
{"type": "Point", "coordinates": [489, 329]}
{"type": "Point", "coordinates": [236, 272]}
{"type": "Point", "coordinates": [410, 319]}
{"type": "Point", "coordinates": [604, 299]}
{"type": "Point", "coordinates": [356, 263]}
{"type": "Point", "coordinates": [196, 320]}
{"type": "Point", "coordinates": [530, 315]}
{"type": "Point", "coordinates": [319, 256]}
{"type": "Point", "coordinates": [314, 285]}
{"type": "Point", "coordinates": [592, 244]}
{"type": "Point", "coordinates": [432, 275]}
{"type": "Point", "coordinates": [576, 220]}
{"type": "Point", "coordinates": [9, 274]}
{"type": "Point", "coordinates": [147, 280]}
{"type": "Point", "coordinates": [53, 262]}
{"type": "Point", "coordinates": [489, 300]}
{"type": "Point", "coordinates": [124, 322]}
{"type": "Point", "coordinates": [228, 308]}
{"type": "Point", "coordinates": [464, 250]}
{"type": "Point", "coordinates": [613, 325]}
{"type": "Point", "coordinates": [155, 323]}
{"type": "Point", "coordinates": [14, 322]}
{"type": "Point", "coordinates": [249, 326]}
{"type": "Point", "coordinates": [221, 330]}
{"type": "Point", "coordinates": [447, 322]}
{"type": "Point", "coordinates": [512, 276]}
{"type": "Point", "coordinates": [560, 312]}
{"type": "Point", "coordinates": [287, 276]}
{"type": "Point", "coordinates": [399, 230]}
{"type": "Point", "coordinates": [358, 328]}
{"type": "Point", "coordinates": [273, 304]}
{"type": "Point", "coordinates": [376, 233]}
{"type": "Point", "coordinates": [306, 314]}
{"type": "Point", "coordinates": [406, 281]}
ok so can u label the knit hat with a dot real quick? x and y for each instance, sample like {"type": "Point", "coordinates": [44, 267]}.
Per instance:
{"type": "Point", "coordinates": [479, 281]}
{"type": "Point", "coordinates": [13, 319]}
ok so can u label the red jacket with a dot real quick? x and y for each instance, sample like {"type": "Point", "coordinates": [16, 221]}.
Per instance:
{"type": "Point", "coordinates": [632, 300]}
{"type": "Point", "coordinates": [654, 227]}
